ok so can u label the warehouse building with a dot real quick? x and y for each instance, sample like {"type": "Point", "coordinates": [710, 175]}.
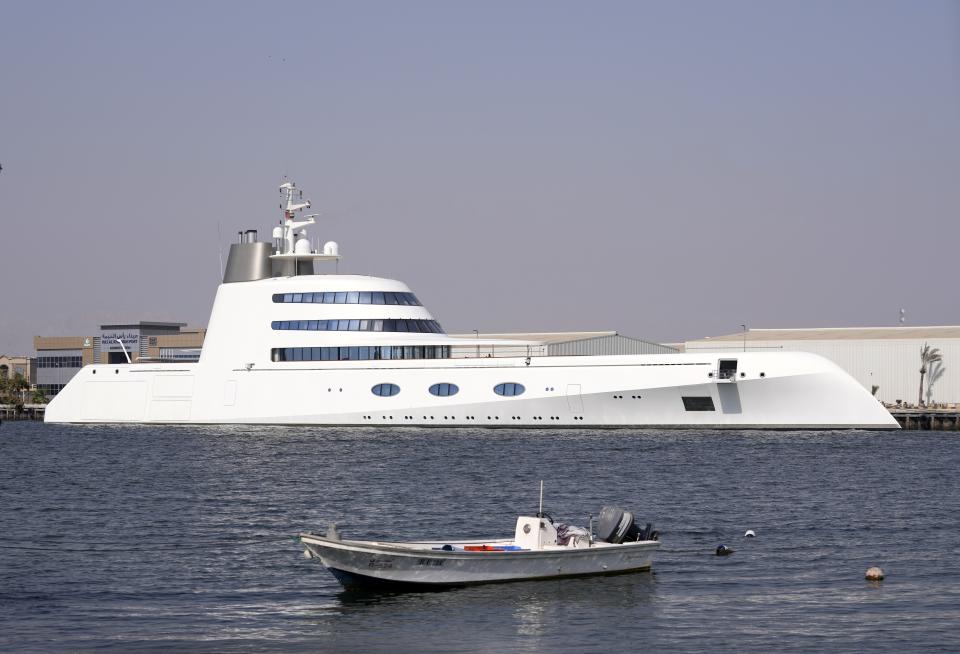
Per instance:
{"type": "Point", "coordinates": [555, 344]}
{"type": "Point", "coordinates": [884, 357]}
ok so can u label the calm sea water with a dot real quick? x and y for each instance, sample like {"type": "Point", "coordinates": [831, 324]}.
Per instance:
{"type": "Point", "coordinates": [180, 538]}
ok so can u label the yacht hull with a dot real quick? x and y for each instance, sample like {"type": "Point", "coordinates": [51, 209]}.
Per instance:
{"type": "Point", "coordinates": [782, 390]}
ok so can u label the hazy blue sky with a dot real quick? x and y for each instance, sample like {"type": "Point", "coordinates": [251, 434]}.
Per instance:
{"type": "Point", "coordinates": [668, 170]}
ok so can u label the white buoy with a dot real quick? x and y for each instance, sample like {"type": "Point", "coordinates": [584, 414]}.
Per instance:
{"type": "Point", "coordinates": [875, 574]}
{"type": "Point", "coordinates": [749, 534]}
{"type": "Point", "coordinates": [307, 554]}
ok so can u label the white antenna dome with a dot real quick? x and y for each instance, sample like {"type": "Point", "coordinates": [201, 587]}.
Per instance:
{"type": "Point", "coordinates": [278, 232]}
{"type": "Point", "coordinates": [302, 246]}
{"type": "Point", "coordinates": [330, 248]}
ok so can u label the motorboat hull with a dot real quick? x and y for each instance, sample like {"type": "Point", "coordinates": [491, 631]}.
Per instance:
{"type": "Point", "coordinates": [367, 563]}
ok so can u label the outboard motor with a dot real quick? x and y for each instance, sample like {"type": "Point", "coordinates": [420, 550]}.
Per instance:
{"type": "Point", "coordinates": [616, 526]}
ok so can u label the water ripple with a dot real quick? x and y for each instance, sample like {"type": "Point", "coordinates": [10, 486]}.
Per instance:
{"type": "Point", "coordinates": [136, 538]}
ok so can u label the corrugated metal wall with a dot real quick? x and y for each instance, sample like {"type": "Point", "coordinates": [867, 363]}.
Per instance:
{"type": "Point", "coordinates": [892, 364]}
{"type": "Point", "coordinates": [606, 345]}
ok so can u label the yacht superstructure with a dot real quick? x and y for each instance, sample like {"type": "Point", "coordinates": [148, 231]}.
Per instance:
{"type": "Point", "coordinates": [285, 345]}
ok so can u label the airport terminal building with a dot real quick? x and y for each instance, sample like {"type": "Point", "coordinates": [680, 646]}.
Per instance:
{"type": "Point", "coordinates": [59, 358]}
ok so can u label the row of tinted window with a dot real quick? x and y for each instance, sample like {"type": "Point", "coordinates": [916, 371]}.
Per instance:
{"type": "Point", "coordinates": [385, 390]}
{"type": "Point", "coordinates": [354, 325]}
{"type": "Point", "coordinates": [350, 297]}
{"type": "Point", "coordinates": [446, 390]}
{"type": "Point", "coordinates": [186, 357]}
{"type": "Point", "coordinates": [59, 362]}
{"type": "Point", "coordinates": [509, 389]}
{"type": "Point", "coordinates": [360, 353]}
{"type": "Point", "coordinates": [50, 389]}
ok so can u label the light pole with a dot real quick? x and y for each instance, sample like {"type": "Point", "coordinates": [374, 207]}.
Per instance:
{"type": "Point", "coordinates": [744, 337]}
{"type": "Point", "coordinates": [478, 342]}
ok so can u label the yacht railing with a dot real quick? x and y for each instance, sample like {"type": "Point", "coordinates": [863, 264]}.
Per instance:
{"type": "Point", "coordinates": [496, 351]}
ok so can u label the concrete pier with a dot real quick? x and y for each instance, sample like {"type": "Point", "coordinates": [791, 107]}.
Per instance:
{"type": "Point", "coordinates": [927, 419]}
{"type": "Point", "coordinates": [26, 412]}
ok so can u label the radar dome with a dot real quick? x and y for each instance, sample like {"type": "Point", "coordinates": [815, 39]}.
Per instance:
{"type": "Point", "coordinates": [278, 232]}
{"type": "Point", "coordinates": [330, 248]}
{"type": "Point", "coordinates": [302, 246]}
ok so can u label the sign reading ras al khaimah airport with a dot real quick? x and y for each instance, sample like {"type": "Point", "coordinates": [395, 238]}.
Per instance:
{"type": "Point", "coordinates": [108, 341]}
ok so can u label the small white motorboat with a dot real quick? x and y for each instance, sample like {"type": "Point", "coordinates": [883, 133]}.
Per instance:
{"type": "Point", "coordinates": [539, 549]}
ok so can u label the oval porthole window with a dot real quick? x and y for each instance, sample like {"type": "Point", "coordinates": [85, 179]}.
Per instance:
{"type": "Point", "coordinates": [444, 390]}
{"type": "Point", "coordinates": [509, 389]}
{"type": "Point", "coordinates": [385, 390]}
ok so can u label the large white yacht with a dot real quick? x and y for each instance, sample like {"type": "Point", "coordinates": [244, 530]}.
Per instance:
{"type": "Point", "coordinates": [286, 345]}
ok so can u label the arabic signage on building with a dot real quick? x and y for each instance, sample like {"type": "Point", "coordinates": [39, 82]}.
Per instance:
{"type": "Point", "coordinates": [108, 341]}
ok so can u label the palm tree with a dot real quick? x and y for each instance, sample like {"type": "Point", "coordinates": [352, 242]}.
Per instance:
{"type": "Point", "coordinates": [933, 375]}
{"type": "Point", "coordinates": [928, 355]}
